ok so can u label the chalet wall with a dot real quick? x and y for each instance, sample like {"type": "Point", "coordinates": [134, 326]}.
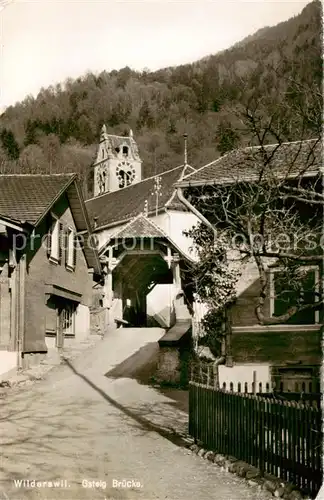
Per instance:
{"type": "Point", "coordinates": [5, 310]}
{"type": "Point", "coordinates": [41, 271]}
{"type": "Point", "coordinates": [243, 312]}
{"type": "Point", "coordinates": [277, 347]}
{"type": "Point", "coordinates": [243, 374]}
{"type": "Point", "coordinates": [8, 364]}
{"type": "Point", "coordinates": [177, 222]}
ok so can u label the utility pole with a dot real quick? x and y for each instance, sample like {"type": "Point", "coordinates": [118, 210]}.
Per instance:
{"type": "Point", "coordinates": [157, 192]}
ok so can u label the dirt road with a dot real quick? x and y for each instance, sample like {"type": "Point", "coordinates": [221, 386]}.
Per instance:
{"type": "Point", "coordinates": [82, 435]}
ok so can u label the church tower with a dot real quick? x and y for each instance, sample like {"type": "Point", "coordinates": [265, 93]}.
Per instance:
{"type": "Point", "coordinates": [117, 164]}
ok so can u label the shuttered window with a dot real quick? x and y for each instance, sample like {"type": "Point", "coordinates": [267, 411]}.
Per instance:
{"type": "Point", "coordinates": [61, 241]}
{"type": "Point", "coordinates": [71, 249]}
{"type": "Point", "coordinates": [49, 241]}
{"type": "Point", "coordinates": [54, 241]}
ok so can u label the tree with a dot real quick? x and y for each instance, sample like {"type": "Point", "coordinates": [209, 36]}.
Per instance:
{"type": "Point", "coordinates": [272, 221]}
{"type": "Point", "coordinates": [214, 283]}
{"type": "Point", "coordinates": [145, 118]}
{"type": "Point", "coordinates": [9, 144]}
{"type": "Point", "coordinates": [268, 212]}
{"type": "Point", "coordinates": [227, 137]}
{"type": "Point", "coordinates": [51, 147]}
{"type": "Point", "coordinates": [32, 160]}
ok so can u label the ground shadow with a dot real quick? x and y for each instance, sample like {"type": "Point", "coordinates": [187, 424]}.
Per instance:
{"type": "Point", "coordinates": [146, 425]}
{"type": "Point", "coordinates": [141, 366]}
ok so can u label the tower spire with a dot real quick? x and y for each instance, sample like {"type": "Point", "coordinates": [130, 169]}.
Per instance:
{"type": "Point", "coordinates": [185, 162]}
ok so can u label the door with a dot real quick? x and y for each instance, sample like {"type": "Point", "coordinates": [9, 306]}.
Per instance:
{"type": "Point", "coordinates": [66, 323]}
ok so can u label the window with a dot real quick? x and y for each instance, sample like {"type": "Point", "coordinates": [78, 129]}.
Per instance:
{"type": "Point", "coordinates": [295, 379]}
{"type": "Point", "coordinates": [59, 239]}
{"type": "Point", "coordinates": [305, 291]}
{"type": "Point", "coordinates": [125, 150]}
{"type": "Point", "coordinates": [68, 320]}
{"type": "Point", "coordinates": [70, 248]}
{"type": "Point", "coordinates": [54, 241]}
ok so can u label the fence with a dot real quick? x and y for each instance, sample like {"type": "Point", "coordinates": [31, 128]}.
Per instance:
{"type": "Point", "coordinates": [208, 374]}
{"type": "Point", "coordinates": [283, 438]}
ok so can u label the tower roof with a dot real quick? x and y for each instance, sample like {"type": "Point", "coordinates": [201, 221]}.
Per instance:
{"type": "Point", "coordinates": [115, 142]}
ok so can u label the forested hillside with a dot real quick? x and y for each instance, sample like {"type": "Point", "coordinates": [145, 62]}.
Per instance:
{"type": "Point", "coordinates": [277, 67]}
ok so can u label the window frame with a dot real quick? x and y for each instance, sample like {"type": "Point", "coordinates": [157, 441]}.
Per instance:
{"type": "Point", "coordinates": [61, 237]}
{"type": "Point", "coordinates": [70, 250]}
{"type": "Point", "coordinates": [54, 234]}
{"type": "Point", "coordinates": [69, 310]}
{"type": "Point", "coordinates": [272, 296]}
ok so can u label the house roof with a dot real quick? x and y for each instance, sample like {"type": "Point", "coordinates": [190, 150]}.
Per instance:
{"type": "Point", "coordinates": [142, 227]}
{"type": "Point", "coordinates": [287, 159]}
{"type": "Point", "coordinates": [26, 198]}
{"type": "Point", "coordinates": [124, 204]}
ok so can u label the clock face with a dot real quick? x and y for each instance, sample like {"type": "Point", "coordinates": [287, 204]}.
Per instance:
{"type": "Point", "coordinates": [125, 174]}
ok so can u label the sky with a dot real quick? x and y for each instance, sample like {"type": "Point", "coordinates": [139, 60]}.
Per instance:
{"type": "Point", "coordinates": [44, 42]}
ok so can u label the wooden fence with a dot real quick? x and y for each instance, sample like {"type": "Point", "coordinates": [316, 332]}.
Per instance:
{"type": "Point", "coordinates": [283, 438]}
{"type": "Point", "coordinates": [207, 374]}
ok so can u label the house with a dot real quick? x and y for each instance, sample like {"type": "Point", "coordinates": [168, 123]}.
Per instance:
{"type": "Point", "coordinates": [285, 355]}
{"type": "Point", "coordinates": [47, 272]}
{"type": "Point", "coordinates": [139, 227]}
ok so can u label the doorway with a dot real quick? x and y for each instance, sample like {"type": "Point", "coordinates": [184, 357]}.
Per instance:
{"type": "Point", "coordinates": [133, 281]}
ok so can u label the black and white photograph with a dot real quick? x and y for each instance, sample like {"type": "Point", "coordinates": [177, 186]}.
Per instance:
{"type": "Point", "coordinates": [161, 250]}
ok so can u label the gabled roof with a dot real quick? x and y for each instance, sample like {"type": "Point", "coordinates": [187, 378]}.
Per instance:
{"type": "Point", "coordinates": [26, 198]}
{"type": "Point", "coordinates": [122, 205]}
{"type": "Point", "coordinates": [139, 227]}
{"type": "Point", "coordinates": [142, 227]}
{"type": "Point", "coordinates": [287, 159]}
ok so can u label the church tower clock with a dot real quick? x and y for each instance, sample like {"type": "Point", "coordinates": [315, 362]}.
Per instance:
{"type": "Point", "coordinates": [117, 164]}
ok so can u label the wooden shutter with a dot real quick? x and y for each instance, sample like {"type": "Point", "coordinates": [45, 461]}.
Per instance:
{"type": "Point", "coordinates": [66, 245]}
{"type": "Point", "coordinates": [60, 241]}
{"type": "Point", "coordinates": [49, 240]}
{"type": "Point", "coordinates": [75, 248]}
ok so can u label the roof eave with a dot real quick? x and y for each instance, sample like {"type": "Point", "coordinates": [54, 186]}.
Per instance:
{"type": "Point", "coordinates": [21, 226]}
{"type": "Point", "coordinates": [97, 266]}
{"type": "Point", "coordinates": [55, 199]}
{"type": "Point", "coordinates": [228, 182]}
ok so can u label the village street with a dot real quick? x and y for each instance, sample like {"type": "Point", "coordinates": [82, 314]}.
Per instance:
{"type": "Point", "coordinates": [80, 426]}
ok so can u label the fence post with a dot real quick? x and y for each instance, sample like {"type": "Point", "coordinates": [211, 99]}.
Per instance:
{"type": "Point", "coordinates": [216, 377]}
{"type": "Point", "coordinates": [254, 383]}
